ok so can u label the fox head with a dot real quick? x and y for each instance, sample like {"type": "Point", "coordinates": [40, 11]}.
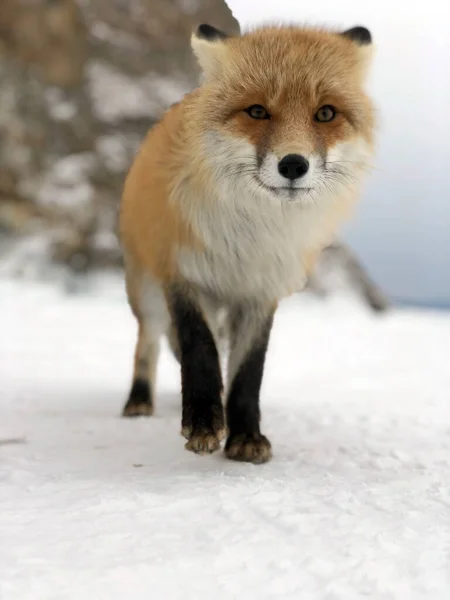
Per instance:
{"type": "Point", "coordinates": [283, 110]}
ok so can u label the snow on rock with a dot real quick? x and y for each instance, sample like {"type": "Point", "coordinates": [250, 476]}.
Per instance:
{"type": "Point", "coordinates": [355, 504]}
{"type": "Point", "coordinates": [119, 96]}
{"type": "Point", "coordinates": [66, 185]}
{"type": "Point", "coordinates": [29, 258]}
{"type": "Point", "coordinates": [117, 151]}
{"type": "Point", "coordinates": [60, 108]}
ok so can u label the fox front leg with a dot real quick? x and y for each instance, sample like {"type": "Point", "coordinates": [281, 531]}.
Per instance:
{"type": "Point", "coordinates": [249, 337]}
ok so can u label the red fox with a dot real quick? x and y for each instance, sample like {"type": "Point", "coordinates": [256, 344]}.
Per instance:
{"type": "Point", "coordinates": [226, 207]}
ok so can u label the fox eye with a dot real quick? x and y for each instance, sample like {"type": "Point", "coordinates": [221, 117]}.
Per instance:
{"type": "Point", "coordinates": [256, 111]}
{"type": "Point", "coordinates": [325, 114]}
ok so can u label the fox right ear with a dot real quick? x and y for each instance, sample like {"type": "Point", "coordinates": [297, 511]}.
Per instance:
{"type": "Point", "coordinates": [359, 35]}
{"type": "Point", "coordinates": [207, 44]}
{"type": "Point", "coordinates": [362, 37]}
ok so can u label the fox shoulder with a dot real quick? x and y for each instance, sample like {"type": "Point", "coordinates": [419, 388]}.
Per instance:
{"type": "Point", "coordinates": [150, 225]}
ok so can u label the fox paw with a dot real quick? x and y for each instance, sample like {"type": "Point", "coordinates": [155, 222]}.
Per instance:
{"type": "Point", "coordinates": [137, 409]}
{"type": "Point", "coordinates": [205, 441]}
{"type": "Point", "coordinates": [139, 401]}
{"type": "Point", "coordinates": [204, 437]}
{"type": "Point", "coordinates": [249, 447]}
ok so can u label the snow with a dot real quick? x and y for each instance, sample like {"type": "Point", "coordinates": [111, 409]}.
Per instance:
{"type": "Point", "coordinates": [117, 151]}
{"type": "Point", "coordinates": [119, 96]}
{"type": "Point", "coordinates": [66, 183]}
{"type": "Point", "coordinates": [355, 504]}
{"type": "Point", "coordinates": [60, 109]}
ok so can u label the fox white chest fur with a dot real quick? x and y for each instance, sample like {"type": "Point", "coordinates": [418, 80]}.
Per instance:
{"type": "Point", "coordinates": [252, 242]}
{"type": "Point", "coordinates": [251, 250]}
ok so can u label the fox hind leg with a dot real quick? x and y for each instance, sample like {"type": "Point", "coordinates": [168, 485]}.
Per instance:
{"type": "Point", "coordinates": [148, 305]}
{"type": "Point", "coordinates": [141, 396]}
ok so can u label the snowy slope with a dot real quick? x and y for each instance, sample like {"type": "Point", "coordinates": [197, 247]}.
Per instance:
{"type": "Point", "coordinates": [355, 504]}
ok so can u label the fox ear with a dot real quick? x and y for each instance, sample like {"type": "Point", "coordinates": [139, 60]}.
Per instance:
{"type": "Point", "coordinates": [359, 35]}
{"type": "Point", "coordinates": [362, 37]}
{"type": "Point", "coordinates": [207, 44]}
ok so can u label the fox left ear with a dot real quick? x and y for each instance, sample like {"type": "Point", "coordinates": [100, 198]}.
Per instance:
{"type": "Point", "coordinates": [208, 46]}
{"type": "Point", "coordinates": [362, 37]}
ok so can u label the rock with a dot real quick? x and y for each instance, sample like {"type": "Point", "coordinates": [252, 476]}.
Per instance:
{"type": "Point", "coordinates": [80, 85]}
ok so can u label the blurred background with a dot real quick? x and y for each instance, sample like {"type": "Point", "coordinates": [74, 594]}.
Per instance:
{"type": "Point", "coordinates": [81, 81]}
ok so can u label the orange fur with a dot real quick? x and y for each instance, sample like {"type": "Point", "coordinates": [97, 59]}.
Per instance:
{"type": "Point", "coordinates": [150, 227]}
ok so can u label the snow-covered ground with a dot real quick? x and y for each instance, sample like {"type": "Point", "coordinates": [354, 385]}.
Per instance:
{"type": "Point", "coordinates": [355, 504]}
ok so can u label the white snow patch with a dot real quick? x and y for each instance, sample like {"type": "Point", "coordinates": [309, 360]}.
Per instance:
{"type": "Point", "coordinates": [104, 32]}
{"type": "Point", "coordinates": [105, 240]}
{"type": "Point", "coordinates": [77, 196]}
{"type": "Point", "coordinates": [117, 151]}
{"type": "Point", "coordinates": [59, 107]}
{"type": "Point", "coordinates": [27, 257]}
{"type": "Point", "coordinates": [66, 184]}
{"type": "Point", "coordinates": [117, 96]}
{"type": "Point", "coordinates": [355, 504]}
{"type": "Point", "coordinates": [70, 169]}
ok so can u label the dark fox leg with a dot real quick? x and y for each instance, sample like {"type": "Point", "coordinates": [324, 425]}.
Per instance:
{"type": "Point", "coordinates": [203, 419]}
{"type": "Point", "coordinates": [140, 399]}
{"type": "Point", "coordinates": [249, 337]}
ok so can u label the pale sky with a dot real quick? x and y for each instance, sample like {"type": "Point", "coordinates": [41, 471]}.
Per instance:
{"type": "Point", "coordinates": [402, 227]}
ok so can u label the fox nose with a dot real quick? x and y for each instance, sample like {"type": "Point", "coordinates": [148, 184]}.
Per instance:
{"type": "Point", "coordinates": [293, 166]}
